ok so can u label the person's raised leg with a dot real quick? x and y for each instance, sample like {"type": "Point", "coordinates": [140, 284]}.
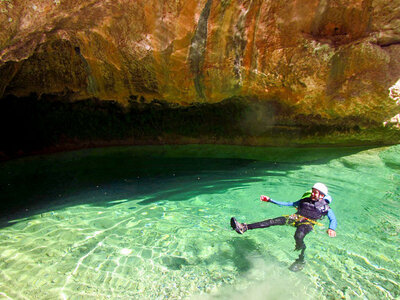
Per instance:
{"type": "Point", "coordinates": [243, 227]}
{"type": "Point", "coordinates": [268, 223]}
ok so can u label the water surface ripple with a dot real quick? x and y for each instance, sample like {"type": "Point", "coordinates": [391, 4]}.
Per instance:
{"type": "Point", "coordinates": [153, 223]}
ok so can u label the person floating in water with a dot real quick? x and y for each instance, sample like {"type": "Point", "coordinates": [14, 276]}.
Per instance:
{"type": "Point", "coordinates": [312, 206]}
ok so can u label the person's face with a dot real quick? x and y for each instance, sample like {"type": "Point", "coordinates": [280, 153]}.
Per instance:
{"type": "Point", "coordinates": [316, 195]}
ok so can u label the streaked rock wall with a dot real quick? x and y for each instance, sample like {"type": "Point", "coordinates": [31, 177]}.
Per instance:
{"type": "Point", "coordinates": [336, 59]}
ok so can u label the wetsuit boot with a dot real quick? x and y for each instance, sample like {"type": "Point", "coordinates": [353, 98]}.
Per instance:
{"type": "Point", "coordinates": [238, 227]}
{"type": "Point", "coordinates": [299, 263]}
{"type": "Point", "coordinates": [301, 231]}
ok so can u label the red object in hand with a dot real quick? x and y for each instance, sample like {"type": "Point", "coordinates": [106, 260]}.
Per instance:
{"type": "Point", "coordinates": [264, 198]}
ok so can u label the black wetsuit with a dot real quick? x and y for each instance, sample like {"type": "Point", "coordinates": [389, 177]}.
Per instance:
{"type": "Point", "coordinates": [308, 211]}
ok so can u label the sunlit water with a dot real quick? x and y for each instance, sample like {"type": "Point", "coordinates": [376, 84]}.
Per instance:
{"type": "Point", "coordinates": [153, 223]}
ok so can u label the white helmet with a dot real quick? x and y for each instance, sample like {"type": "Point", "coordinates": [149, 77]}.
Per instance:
{"type": "Point", "coordinates": [321, 187]}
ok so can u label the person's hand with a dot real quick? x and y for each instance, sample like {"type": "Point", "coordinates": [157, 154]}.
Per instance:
{"type": "Point", "coordinates": [265, 198]}
{"type": "Point", "coordinates": [331, 232]}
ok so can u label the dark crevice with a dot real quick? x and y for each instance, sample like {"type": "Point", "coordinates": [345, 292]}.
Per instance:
{"type": "Point", "coordinates": [385, 45]}
{"type": "Point", "coordinates": [36, 123]}
{"type": "Point", "coordinates": [198, 49]}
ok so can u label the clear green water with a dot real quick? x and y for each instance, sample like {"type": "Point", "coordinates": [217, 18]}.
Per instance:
{"type": "Point", "coordinates": [153, 223]}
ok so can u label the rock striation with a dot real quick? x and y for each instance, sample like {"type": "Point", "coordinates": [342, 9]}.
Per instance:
{"type": "Point", "coordinates": [330, 60]}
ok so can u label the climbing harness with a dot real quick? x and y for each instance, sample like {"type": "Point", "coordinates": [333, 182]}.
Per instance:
{"type": "Point", "coordinates": [295, 220]}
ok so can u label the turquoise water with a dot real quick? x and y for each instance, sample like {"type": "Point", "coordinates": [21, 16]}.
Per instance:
{"type": "Point", "coordinates": [153, 223]}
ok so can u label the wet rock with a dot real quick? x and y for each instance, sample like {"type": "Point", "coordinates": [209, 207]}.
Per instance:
{"type": "Point", "coordinates": [335, 59]}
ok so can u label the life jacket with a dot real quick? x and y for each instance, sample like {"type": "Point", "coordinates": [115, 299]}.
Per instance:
{"type": "Point", "coordinates": [313, 209]}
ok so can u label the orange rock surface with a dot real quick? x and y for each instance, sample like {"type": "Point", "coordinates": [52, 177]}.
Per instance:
{"type": "Point", "coordinates": [332, 58]}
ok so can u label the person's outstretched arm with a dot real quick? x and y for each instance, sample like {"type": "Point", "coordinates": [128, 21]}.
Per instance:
{"type": "Point", "coordinates": [332, 223]}
{"type": "Point", "coordinates": [268, 199]}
